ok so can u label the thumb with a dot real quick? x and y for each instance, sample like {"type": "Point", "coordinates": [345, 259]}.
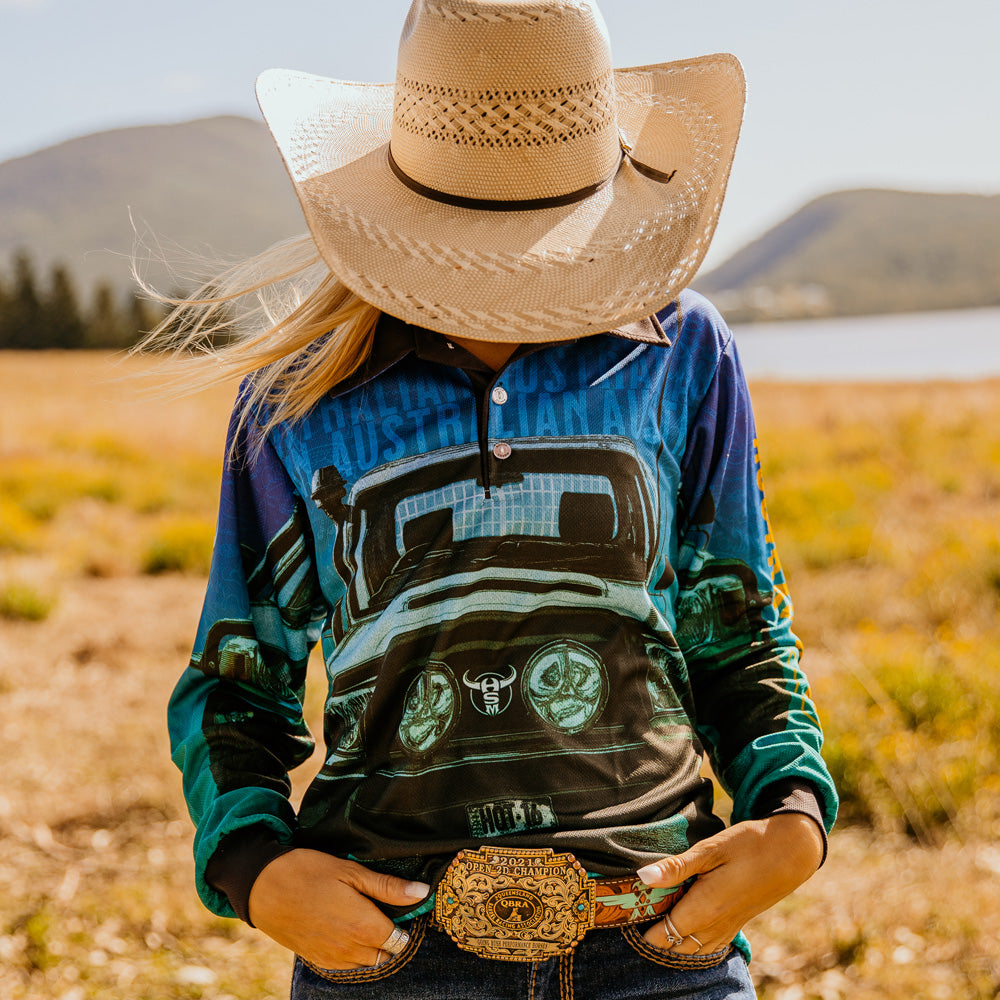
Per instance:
{"type": "Point", "coordinates": [387, 888]}
{"type": "Point", "coordinates": [678, 868]}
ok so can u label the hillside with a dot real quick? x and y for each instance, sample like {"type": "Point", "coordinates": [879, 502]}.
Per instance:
{"type": "Point", "coordinates": [218, 185]}
{"type": "Point", "coordinates": [866, 251]}
{"type": "Point", "coordinates": [215, 184]}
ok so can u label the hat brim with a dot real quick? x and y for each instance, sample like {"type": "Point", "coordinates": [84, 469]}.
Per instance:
{"type": "Point", "coordinates": [514, 276]}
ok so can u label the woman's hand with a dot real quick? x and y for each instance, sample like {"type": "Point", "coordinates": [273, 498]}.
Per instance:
{"type": "Point", "coordinates": [321, 907]}
{"type": "Point", "coordinates": [741, 872]}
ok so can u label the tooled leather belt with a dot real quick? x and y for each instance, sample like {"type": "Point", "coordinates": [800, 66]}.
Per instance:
{"type": "Point", "coordinates": [530, 905]}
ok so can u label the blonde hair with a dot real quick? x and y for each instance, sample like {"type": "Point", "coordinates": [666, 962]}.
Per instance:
{"type": "Point", "coordinates": [280, 321]}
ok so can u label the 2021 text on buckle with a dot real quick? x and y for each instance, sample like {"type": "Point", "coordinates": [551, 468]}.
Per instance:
{"type": "Point", "coordinates": [531, 905]}
{"type": "Point", "coordinates": [515, 905]}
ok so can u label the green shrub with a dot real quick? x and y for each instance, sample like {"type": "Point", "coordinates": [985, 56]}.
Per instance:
{"type": "Point", "coordinates": [18, 531]}
{"type": "Point", "coordinates": [911, 731]}
{"type": "Point", "coordinates": [22, 602]}
{"type": "Point", "coordinates": [178, 545]}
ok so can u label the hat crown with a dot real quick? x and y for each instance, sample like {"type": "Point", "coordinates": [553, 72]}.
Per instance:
{"type": "Point", "coordinates": [505, 99]}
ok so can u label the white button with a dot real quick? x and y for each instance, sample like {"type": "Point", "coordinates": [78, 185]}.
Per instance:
{"type": "Point", "coordinates": [499, 395]}
{"type": "Point", "coordinates": [501, 450]}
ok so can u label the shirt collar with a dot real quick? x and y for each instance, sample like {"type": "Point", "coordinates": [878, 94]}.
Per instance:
{"type": "Point", "coordinates": [643, 331]}
{"type": "Point", "coordinates": [394, 340]}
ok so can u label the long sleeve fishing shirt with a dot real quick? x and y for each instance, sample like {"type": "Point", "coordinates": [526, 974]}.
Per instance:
{"type": "Point", "coordinates": [541, 593]}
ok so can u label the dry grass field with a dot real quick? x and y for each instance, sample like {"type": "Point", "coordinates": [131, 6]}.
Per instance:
{"type": "Point", "coordinates": [885, 503]}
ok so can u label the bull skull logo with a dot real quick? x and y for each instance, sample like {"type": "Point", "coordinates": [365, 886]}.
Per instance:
{"type": "Point", "coordinates": [491, 692]}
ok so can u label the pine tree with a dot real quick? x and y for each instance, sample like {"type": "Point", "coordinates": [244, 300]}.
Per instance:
{"type": "Point", "coordinates": [106, 326]}
{"type": "Point", "coordinates": [62, 326]}
{"type": "Point", "coordinates": [23, 313]}
{"type": "Point", "coordinates": [143, 315]}
{"type": "Point", "coordinates": [5, 300]}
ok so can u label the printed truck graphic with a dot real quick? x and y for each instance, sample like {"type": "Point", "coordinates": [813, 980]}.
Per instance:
{"type": "Point", "coordinates": [483, 630]}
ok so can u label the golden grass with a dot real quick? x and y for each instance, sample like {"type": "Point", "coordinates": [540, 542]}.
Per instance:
{"type": "Point", "coordinates": [96, 472]}
{"type": "Point", "coordinates": [884, 501]}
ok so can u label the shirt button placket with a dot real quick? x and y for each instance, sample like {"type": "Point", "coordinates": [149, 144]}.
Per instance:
{"type": "Point", "coordinates": [501, 450]}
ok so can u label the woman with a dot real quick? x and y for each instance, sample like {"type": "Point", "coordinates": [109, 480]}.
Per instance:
{"type": "Point", "coordinates": [503, 467]}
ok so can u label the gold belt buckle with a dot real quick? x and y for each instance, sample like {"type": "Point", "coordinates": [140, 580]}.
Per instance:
{"type": "Point", "coordinates": [515, 905]}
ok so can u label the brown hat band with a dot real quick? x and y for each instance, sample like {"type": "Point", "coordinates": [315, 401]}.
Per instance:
{"type": "Point", "coordinates": [526, 204]}
{"type": "Point", "coordinates": [493, 205]}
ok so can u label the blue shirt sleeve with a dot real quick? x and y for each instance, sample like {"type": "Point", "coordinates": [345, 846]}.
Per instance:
{"type": "Point", "coordinates": [235, 718]}
{"type": "Point", "coordinates": [755, 715]}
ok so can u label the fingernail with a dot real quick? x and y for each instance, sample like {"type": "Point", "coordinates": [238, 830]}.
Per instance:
{"type": "Point", "coordinates": [649, 873]}
{"type": "Point", "coordinates": [417, 890]}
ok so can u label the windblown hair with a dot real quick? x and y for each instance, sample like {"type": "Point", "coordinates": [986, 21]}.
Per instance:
{"type": "Point", "coordinates": [280, 321]}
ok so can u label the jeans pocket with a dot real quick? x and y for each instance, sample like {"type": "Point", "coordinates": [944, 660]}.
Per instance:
{"type": "Point", "coordinates": [671, 959]}
{"type": "Point", "coordinates": [373, 973]}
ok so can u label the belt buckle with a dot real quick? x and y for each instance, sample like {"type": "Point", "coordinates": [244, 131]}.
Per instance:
{"type": "Point", "coordinates": [515, 905]}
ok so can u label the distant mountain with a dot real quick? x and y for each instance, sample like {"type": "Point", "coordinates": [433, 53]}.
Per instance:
{"type": "Point", "coordinates": [216, 186]}
{"type": "Point", "coordinates": [863, 252]}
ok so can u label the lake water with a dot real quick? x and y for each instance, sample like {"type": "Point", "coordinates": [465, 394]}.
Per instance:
{"type": "Point", "coordinates": [960, 344]}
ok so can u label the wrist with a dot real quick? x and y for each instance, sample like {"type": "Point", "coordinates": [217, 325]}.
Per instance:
{"type": "Point", "coordinates": [801, 839]}
{"type": "Point", "coordinates": [239, 860]}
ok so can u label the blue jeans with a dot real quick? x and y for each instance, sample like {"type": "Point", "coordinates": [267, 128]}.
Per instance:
{"type": "Point", "coordinates": [609, 964]}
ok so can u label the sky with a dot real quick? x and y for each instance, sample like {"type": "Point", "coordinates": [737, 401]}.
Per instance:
{"type": "Point", "coordinates": [857, 93]}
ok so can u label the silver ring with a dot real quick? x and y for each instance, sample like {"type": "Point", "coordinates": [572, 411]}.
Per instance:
{"type": "Point", "coordinates": [701, 947]}
{"type": "Point", "coordinates": [674, 936]}
{"type": "Point", "coordinates": [379, 958]}
{"type": "Point", "coordinates": [395, 942]}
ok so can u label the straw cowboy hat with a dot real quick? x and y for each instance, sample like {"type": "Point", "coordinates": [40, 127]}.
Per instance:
{"type": "Point", "coordinates": [511, 185]}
